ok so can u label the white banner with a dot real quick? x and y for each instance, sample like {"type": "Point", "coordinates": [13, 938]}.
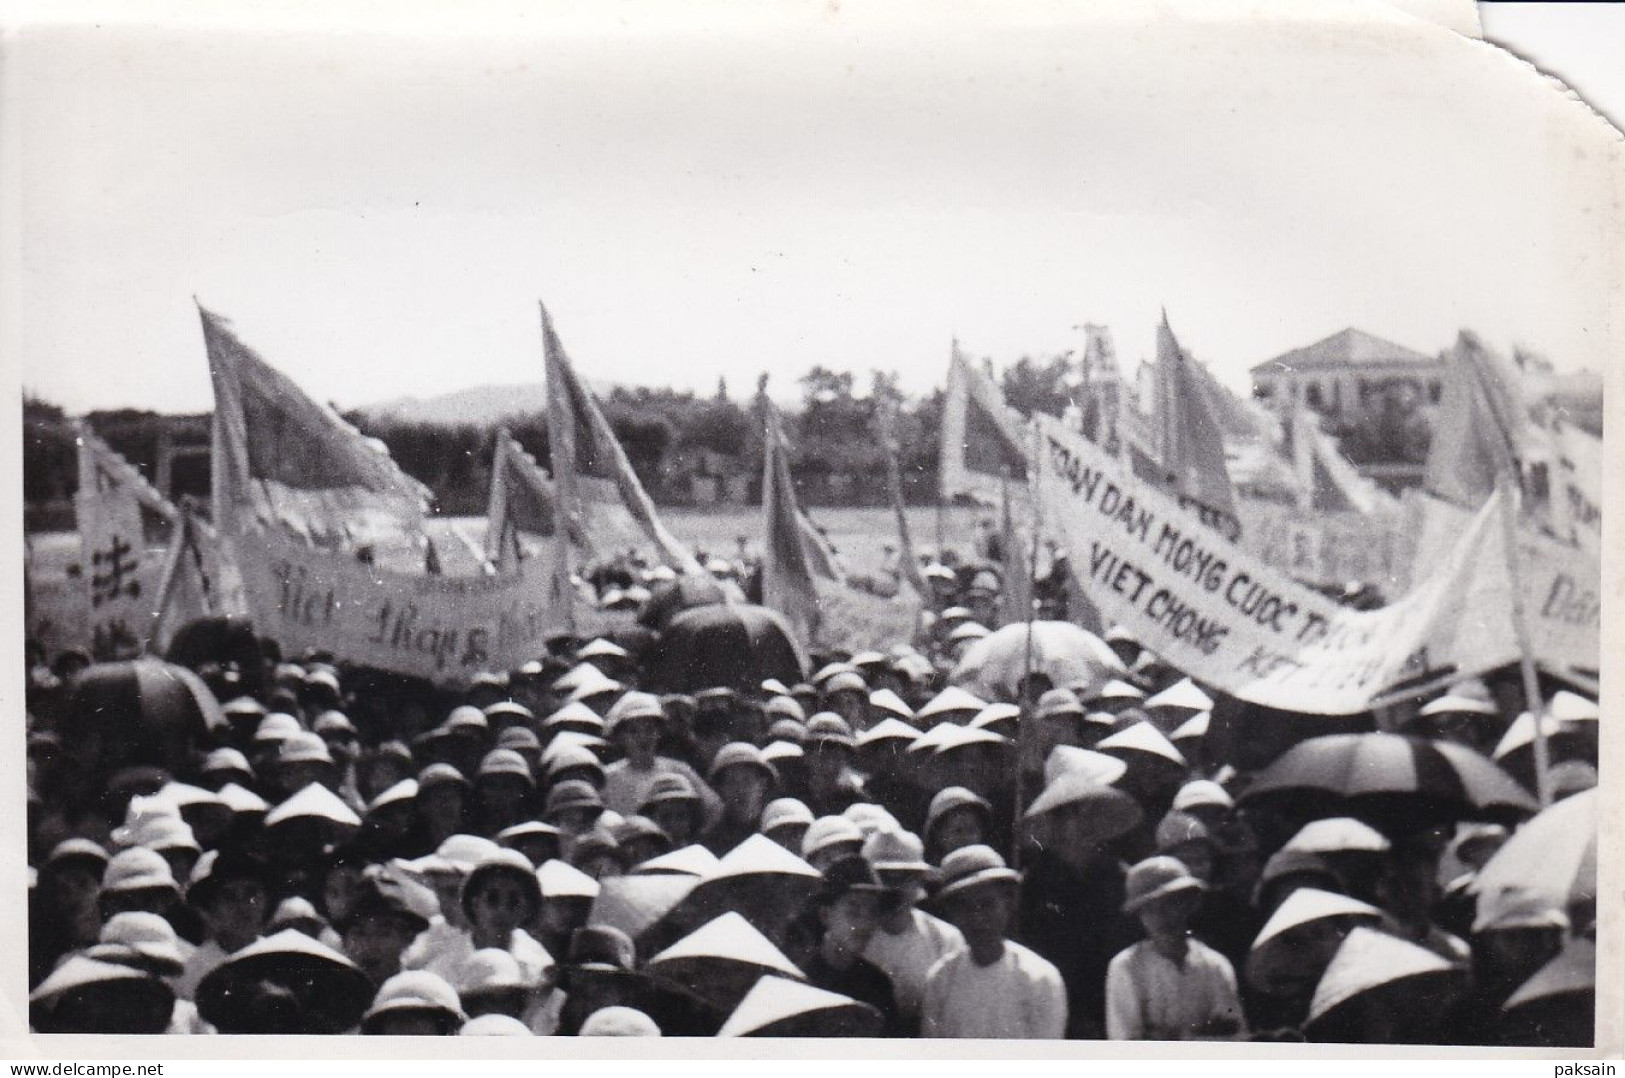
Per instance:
{"type": "Point", "coordinates": [1562, 602]}
{"type": "Point", "coordinates": [113, 548]}
{"type": "Point", "coordinates": [445, 629]}
{"type": "Point", "coordinates": [1218, 613]}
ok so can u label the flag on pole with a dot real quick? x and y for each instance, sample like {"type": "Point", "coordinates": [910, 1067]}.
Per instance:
{"type": "Point", "coordinates": [788, 560]}
{"type": "Point", "coordinates": [1325, 480]}
{"type": "Point", "coordinates": [1103, 391]}
{"type": "Point", "coordinates": [981, 437]}
{"type": "Point", "coordinates": [593, 479]}
{"type": "Point", "coordinates": [186, 590]}
{"type": "Point", "coordinates": [103, 467]}
{"type": "Point", "coordinates": [1476, 434]}
{"type": "Point", "coordinates": [1496, 414]}
{"type": "Point", "coordinates": [802, 577]}
{"type": "Point", "coordinates": [1190, 446]}
{"type": "Point", "coordinates": [113, 549]}
{"type": "Point", "coordinates": [280, 458]}
{"type": "Point", "coordinates": [908, 565]}
{"type": "Point", "coordinates": [523, 499]}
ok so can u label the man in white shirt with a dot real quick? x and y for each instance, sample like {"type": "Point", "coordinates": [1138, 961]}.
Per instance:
{"type": "Point", "coordinates": [909, 941]}
{"type": "Point", "coordinates": [635, 724]}
{"type": "Point", "coordinates": [1170, 986]}
{"type": "Point", "coordinates": [991, 987]}
{"type": "Point", "coordinates": [234, 900]}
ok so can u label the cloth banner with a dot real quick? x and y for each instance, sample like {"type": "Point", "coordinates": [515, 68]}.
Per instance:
{"type": "Point", "coordinates": [1217, 612]}
{"type": "Point", "coordinates": [1579, 484]}
{"type": "Point", "coordinates": [981, 448]}
{"type": "Point", "coordinates": [113, 550]}
{"type": "Point", "coordinates": [605, 502]}
{"type": "Point", "coordinates": [284, 459]}
{"type": "Point", "coordinates": [523, 499]}
{"type": "Point", "coordinates": [1562, 602]}
{"type": "Point", "coordinates": [445, 629]}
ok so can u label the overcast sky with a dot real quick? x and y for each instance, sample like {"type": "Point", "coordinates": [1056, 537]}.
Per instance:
{"type": "Point", "coordinates": [379, 214]}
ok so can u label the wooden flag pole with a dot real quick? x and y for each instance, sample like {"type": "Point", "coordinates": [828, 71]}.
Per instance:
{"type": "Point", "coordinates": [561, 444]}
{"type": "Point", "coordinates": [1028, 708]}
{"type": "Point", "coordinates": [1507, 490]}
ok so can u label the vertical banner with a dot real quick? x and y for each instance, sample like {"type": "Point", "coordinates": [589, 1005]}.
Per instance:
{"type": "Point", "coordinates": [1562, 602]}
{"type": "Point", "coordinates": [113, 549]}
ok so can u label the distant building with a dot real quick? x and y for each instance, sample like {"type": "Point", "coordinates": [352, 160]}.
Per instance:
{"type": "Point", "coordinates": [1376, 397]}
{"type": "Point", "coordinates": [183, 456]}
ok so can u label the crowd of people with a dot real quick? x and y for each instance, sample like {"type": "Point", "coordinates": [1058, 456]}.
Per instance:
{"type": "Point", "coordinates": [568, 849]}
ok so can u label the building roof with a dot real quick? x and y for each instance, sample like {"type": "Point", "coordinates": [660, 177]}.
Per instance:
{"type": "Point", "coordinates": [1349, 348]}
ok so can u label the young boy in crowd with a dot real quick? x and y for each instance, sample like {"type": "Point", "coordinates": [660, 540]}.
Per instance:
{"type": "Point", "coordinates": [908, 942]}
{"type": "Point", "coordinates": [235, 903]}
{"type": "Point", "coordinates": [1169, 986]}
{"type": "Point", "coordinates": [378, 927]}
{"type": "Point", "coordinates": [992, 986]}
{"type": "Point", "coordinates": [635, 724]}
{"type": "Point", "coordinates": [501, 894]}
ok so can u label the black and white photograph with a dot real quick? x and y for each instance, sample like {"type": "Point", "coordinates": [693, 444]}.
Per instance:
{"type": "Point", "coordinates": [1033, 522]}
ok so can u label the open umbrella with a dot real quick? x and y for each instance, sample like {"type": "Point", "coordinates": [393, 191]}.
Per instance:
{"type": "Point", "coordinates": [140, 712]}
{"type": "Point", "coordinates": [778, 1007]}
{"type": "Point", "coordinates": [687, 592]}
{"type": "Point", "coordinates": [1554, 855]}
{"type": "Point", "coordinates": [223, 640]}
{"type": "Point", "coordinates": [1389, 779]}
{"type": "Point", "coordinates": [1065, 653]}
{"type": "Point", "coordinates": [733, 645]}
{"type": "Point", "coordinates": [720, 960]}
{"type": "Point", "coordinates": [328, 992]}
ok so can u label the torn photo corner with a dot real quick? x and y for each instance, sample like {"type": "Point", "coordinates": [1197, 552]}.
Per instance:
{"type": "Point", "coordinates": [1156, 603]}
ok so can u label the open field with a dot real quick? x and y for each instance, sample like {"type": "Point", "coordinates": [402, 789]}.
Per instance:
{"type": "Point", "coordinates": [859, 535]}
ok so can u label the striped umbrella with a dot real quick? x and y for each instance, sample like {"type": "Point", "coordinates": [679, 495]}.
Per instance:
{"type": "Point", "coordinates": [1390, 780]}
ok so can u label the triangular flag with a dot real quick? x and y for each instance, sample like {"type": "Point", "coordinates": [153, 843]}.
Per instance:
{"type": "Point", "coordinates": [982, 446]}
{"type": "Point", "coordinates": [1190, 446]}
{"type": "Point", "coordinates": [113, 549]}
{"type": "Point", "coordinates": [601, 493]}
{"type": "Point", "coordinates": [787, 555]}
{"type": "Point", "coordinates": [1103, 391]}
{"type": "Point", "coordinates": [908, 563]}
{"type": "Point", "coordinates": [185, 590]}
{"type": "Point", "coordinates": [523, 499]}
{"type": "Point", "coordinates": [281, 458]}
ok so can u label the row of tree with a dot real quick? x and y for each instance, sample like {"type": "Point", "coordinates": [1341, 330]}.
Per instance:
{"type": "Point", "coordinates": [669, 436]}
